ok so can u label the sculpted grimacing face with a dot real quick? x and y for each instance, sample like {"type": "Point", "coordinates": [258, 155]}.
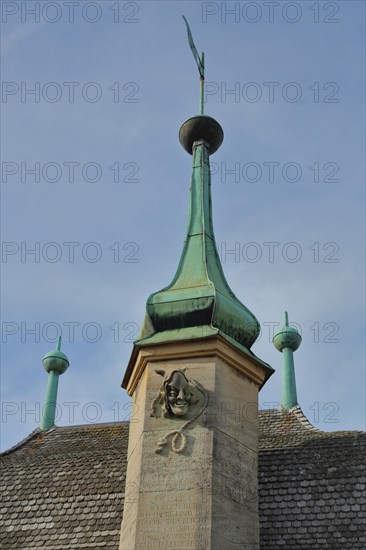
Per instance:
{"type": "Point", "coordinates": [178, 394]}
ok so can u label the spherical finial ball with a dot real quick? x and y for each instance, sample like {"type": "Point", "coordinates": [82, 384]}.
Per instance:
{"type": "Point", "coordinates": [287, 337]}
{"type": "Point", "coordinates": [55, 361]}
{"type": "Point", "coordinates": [199, 128]}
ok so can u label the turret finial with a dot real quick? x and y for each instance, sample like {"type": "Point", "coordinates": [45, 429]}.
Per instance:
{"type": "Point", "coordinates": [200, 127]}
{"type": "Point", "coordinates": [200, 60]}
{"type": "Point", "coordinates": [55, 363]}
{"type": "Point", "coordinates": [287, 340]}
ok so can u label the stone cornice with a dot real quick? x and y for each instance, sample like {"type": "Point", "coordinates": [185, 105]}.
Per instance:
{"type": "Point", "coordinates": [214, 346]}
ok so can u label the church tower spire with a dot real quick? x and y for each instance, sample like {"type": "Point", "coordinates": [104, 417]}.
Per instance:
{"type": "Point", "coordinates": [198, 303]}
{"type": "Point", "coordinates": [194, 383]}
{"type": "Point", "coordinates": [199, 295]}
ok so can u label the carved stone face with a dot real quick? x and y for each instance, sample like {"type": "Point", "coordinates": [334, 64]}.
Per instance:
{"type": "Point", "coordinates": [178, 394]}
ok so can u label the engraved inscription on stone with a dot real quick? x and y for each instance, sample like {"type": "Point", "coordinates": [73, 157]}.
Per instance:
{"type": "Point", "coordinates": [180, 522]}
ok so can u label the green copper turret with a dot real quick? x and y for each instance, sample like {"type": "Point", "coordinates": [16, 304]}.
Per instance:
{"type": "Point", "coordinates": [55, 363]}
{"type": "Point", "coordinates": [198, 303]}
{"type": "Point", "coordinates": [287, 340]}
{"type": "Point", "coordinates": [199, 295]}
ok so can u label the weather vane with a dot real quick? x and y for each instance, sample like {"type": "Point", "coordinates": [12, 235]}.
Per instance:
{"type": "Point", "coordinates": [200, 60]}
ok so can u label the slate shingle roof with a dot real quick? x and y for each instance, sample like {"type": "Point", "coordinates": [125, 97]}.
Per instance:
{"type": "Point", "coordinates": [64, 489]}
{"type": "Point", "coordinates": [312, 485]}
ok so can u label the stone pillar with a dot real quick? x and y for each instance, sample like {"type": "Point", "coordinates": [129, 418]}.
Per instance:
{"type": "Point", "coordinates": [192, 462]}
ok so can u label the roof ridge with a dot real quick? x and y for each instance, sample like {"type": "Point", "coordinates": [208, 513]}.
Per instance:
{"type": "Point", "coordinates": [38, 431]}
{"type": "Point", "coordinates": [23, 442]}
{"type": "Point", "coordinates": [304, 421]}
{"type": "Point", "coordinates": [94, 425]}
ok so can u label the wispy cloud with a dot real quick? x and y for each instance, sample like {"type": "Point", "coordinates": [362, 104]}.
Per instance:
{"type": "Point", "coordinates": [22, 32]}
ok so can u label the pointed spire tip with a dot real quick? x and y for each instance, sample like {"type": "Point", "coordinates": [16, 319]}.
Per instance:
{"type": "Point", "coordinates": [58, 343]}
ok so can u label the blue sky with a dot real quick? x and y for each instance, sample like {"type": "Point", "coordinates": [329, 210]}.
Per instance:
{"type": "Point", "coordinates": [290, 172]}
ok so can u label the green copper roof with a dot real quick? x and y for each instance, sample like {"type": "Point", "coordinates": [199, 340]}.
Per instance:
{"type": "Point", "coordinates": [199, 294]}
{"type": "Point", "coordinates": [287, 337]}
{"type": "Point", "coordinates": [199, 302]}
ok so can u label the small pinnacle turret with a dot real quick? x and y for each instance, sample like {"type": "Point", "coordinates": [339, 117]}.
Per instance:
{"type": "Point", "coordinates": [287, 340]}
{"type": "Point", "coordinates": [55, 363]}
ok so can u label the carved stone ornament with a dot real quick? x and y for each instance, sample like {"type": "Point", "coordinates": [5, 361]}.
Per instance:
{"type": "Point", "coordinates": [176, 396]}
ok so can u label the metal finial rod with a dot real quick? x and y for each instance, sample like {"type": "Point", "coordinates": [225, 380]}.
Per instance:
{"type": "Point", "coordinates": [58, 343]}
{"type": "Point", "coordinates": [202, 85]}
{"type": "Point", "coordinates": [200, 61]}
{"type": "Point", "coordinates": [286, 318]}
